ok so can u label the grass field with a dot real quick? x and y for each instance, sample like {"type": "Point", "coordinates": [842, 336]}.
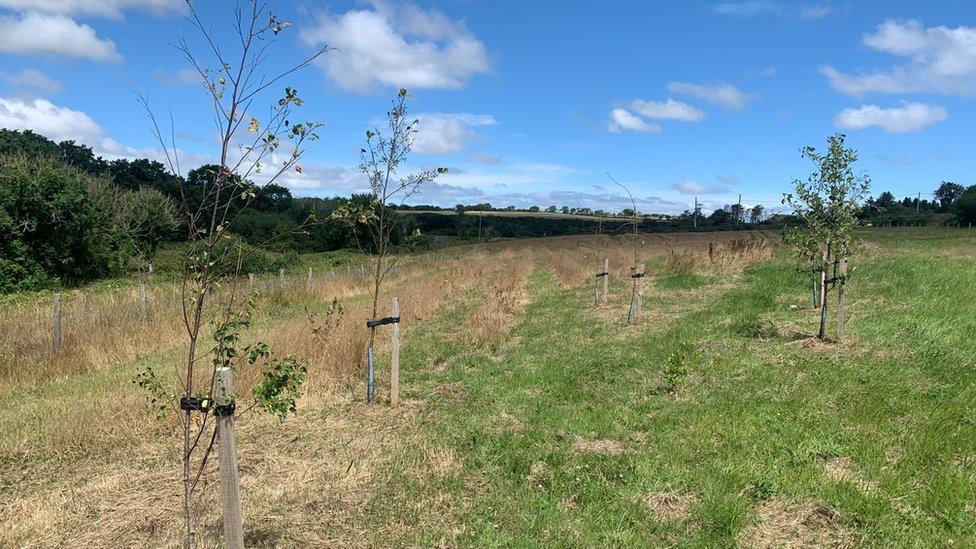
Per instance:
{"type": "Point", "coordinates": [532, 417]}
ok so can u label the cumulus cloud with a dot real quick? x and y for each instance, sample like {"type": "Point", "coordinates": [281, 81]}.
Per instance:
{"type": "Point", "coordinates": [447, 133]}
{"type": "Point", "coordinates": [398, 45]}
{"type": "Point", "coordinates": [624, 120]}
{"type": "Point", "coordinates": [910, 117]}
{"type": "Point", "coordinates": [726, 95]}
{"type": "Point", "coordinates": [667, 110]}
{"type": "Point", "coordinates": [30, 82]}
{"type": "Point", "coordinates": [102, 8]}
{"type": "Point", "coordinates": [938, 60]}
{"type": "Point", "coordinates": [42, 116]}
{"type": "Point", "coordinates": [56, 35]}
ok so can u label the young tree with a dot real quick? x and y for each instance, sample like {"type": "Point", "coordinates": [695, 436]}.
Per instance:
{"type": "Point", "coordinates": [756, 214]}
{"type": "Point", "coordinates": [380, 160]}
{"type": "Point", "coordinates": [634, 223]}
{"type": "Point", "coordinates": [827, 203]}
{"type": "Point", "coordinates": [236, 83]}
{"type": "Point", "coordinates": [146, 218]}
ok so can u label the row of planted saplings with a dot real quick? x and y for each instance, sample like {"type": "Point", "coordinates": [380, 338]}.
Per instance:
{"type": "Point", "coordinates": [637, 289]}
{"type": "Point", "coordinates": [145, 298]}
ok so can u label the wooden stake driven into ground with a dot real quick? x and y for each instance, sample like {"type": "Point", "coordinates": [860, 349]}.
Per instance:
{"type": "Point", "coordinates": [606, 281]}
{"type": "Point", "coordinates": [841, 281]}
{"type": "Point", "coordinates": [395, 354]}
{"type": "Point", "coordinates": [56, 322]}
{"type": "Point", "coordinates": [230, 481]}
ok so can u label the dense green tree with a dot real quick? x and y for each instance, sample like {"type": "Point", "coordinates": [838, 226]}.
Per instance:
{"type": "Point", "coordinates": [947, 194]}
{"type": "Point", "coordinates": [966, 206]}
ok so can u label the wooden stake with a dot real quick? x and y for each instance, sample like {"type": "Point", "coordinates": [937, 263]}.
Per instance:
{"type": "Point", "coordinates": [230, 480]}
{"type": "Point", "coordinates": [143, 302]}
{"type": "Point", "coordinates": [56, 322]}
{"type": "Point", "coordinates": [842, 274]}
{"type": "Point", "coordinates": [395, 355]}
{"type": "Point", "coordinates": [606, 280]}
{"type": "Point", "coordinates": [281, 278]}
{"type": "Point", "coordinates": [640, 289]}
{"type": "Point", "coordinates": [250, 282]}
{"type": "Point", "coordinates": [308, 280]}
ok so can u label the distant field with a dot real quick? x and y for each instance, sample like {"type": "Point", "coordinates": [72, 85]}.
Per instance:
{"type": "Point", "coordinates": [503, 213]}
{"type": "Point", "coordinates": [532, 417]}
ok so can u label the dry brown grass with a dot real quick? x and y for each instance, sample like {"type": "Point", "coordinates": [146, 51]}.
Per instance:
{"type": "Point", "coordinates": [82, 465]}
{"type": "Point", "coordinates": [793, 524]}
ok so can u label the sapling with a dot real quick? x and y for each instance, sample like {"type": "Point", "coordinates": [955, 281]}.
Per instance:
{"type": "Point", "coordinates": [827, 204]}
{"type": "Point", "coordinates": [380, 161]}
{"type": "Point", "coordinates": [250, 146]}
{"type": "Point", "coordinates": [635, 219]}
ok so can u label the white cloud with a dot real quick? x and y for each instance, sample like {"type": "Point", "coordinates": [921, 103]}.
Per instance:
{"type": "Point", "coordinates": [748, 8]}
{"type": "Point", "coordinates": [103, 8]}
{"type": "Point", "coordinates": [624, 120]}
{"type": "Point", "coordinates": [485, 158]}
{"type": "Point", "coordinates": [447, 133]}
{"type": "Point", "coordinates": [398, 45]}
{"type": "Point", "coordinates": [723, 94]}
{"type": "Point", "coordinates": [58, 35]}
{"type": "Point", "coordinates": [667, 110]}
{"type": "Point", "coordinates": [692, 187]}
{"type": "Point", "coordinates": [816, 11]}
{"type": "Point", "coordinates": [48, 119]}
{"type": "Point", "coordinates": [29, 82]}
{"type": "Point", "coordinates": [939, 60]}
{"type": "Point", "coordinates": [910, 117]}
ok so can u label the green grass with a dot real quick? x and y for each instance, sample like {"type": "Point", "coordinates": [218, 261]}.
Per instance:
{"type": "Point", "coordinates": [759, 411]}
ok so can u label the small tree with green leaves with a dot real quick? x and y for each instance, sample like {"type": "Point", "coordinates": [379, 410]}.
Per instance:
{"type": "Point", "coordinates": [827, 204]}
{"type": "Point", "coordinates": [381, 160]}
{"type": "Point", "coordinates": [254, 142]}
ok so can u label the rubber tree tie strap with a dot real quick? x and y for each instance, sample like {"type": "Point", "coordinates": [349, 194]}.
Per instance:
{"type": "Point", "coordinates": [381, 321]}
{"type": "Point", "coordinates": [225, 410]}
{"type": "Point", "coordinates": [637, 275]}
{"type": "Point", "coordinates": [602, 274]}
{"type": "Point", "coordinates": [195, 404]}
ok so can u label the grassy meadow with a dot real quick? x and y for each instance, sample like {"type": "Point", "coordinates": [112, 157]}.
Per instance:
{"type": "Point", "coordinates": [529, 415]}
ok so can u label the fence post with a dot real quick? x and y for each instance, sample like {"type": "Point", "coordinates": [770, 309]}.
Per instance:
{"type": "Point", "coordinates": [250, 282]}
{"type": "Point", "coordinates": [281, 278]}
{"type": "Point", "coordinates": [230, 480]}
{"type": "Point", "coordinates": [842, 280]}
{"type": "Point", "coordinates": [606, 280]}
{"type": "Point", "coordinates": [56, 322]}
{"type": "Point", "coordinates": [308, 280]}
{"type": "Point", "coordinates": [143, 302]}
{"type": "Point", "coordinates": [395, 354]}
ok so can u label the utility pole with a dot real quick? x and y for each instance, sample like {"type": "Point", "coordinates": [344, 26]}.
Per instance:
{"type": "Point", "coordinates": [695, 213]}
{"type": "Point", "coordinates": [738, 211]}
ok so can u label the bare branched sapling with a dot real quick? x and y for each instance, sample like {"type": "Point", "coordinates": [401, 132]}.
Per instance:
{"type": "Point", "coordinates": [380, 160]}
{"type": "Point", "coordinates": [634, 270]}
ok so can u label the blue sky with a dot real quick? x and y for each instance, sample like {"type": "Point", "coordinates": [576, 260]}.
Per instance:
{"type": "Point", "coordinates": [528, 104]}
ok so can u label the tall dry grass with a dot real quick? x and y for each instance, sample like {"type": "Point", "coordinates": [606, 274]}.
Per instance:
{"type": "Point", "coordinates": [82, 465]}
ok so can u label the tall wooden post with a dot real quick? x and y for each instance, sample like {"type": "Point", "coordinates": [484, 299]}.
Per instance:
{"type": "Point", "coordinates": [250, 282]}
{"type": "Point", "coordinates": [230, 480]}
{"type": "Point", "coordinates": [842, 280]}
{"type": "Point", "coordinates": [395, 354]}
{"type": "Point", "coordinates": [281, 278]}
{"type": "Point", "coordinates": [143, 302]}
{"type": "Point", "coordinates": [56, 323]}
{"type": "Point", "coordinates": [308, 280]}
{"type": "Point", "coordinates": [640, 288]}
{"type": "Point", "coordinates": [606, 281]}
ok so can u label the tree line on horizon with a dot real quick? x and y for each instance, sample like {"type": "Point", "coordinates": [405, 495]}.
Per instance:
{"type": "Point", "coordinates": [68, 216]}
